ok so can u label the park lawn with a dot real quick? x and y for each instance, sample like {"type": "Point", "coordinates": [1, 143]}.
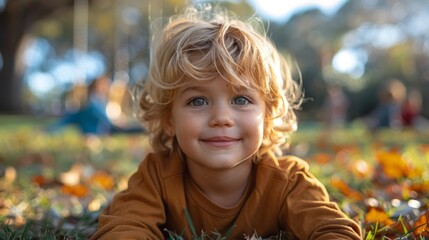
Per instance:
{"type": "Point", "coordinates": [53, 185]}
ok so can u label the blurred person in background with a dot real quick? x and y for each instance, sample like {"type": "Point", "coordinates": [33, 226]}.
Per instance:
{"type": "Point", "coordinates": [411, 111]}
{"type": "Point", "coordinates": [411, 108]}
{"type": "Point", "coordinates": [388, 112]}
{"type": "Point", "coordinates": [92, 118]}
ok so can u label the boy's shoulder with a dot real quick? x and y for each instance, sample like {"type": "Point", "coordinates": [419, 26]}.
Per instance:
{"type": "Point", "coordinates": [284, 165]}
{"type": "Point", "coordinates": [278, 174]}
{"type": "Point", "coordinates": [165, 164]}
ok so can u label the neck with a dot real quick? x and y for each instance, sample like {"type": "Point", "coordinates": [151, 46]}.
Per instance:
{"type": "Point", "coordinates": [223, 187]}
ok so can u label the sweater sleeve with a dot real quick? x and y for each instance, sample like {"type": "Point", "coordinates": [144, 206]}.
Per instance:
{"type": "Point", "coordinates": [308, 211]}
{"type": "Point", "coordinates": [137, 212]}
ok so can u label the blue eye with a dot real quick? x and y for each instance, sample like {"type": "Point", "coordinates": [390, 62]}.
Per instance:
{"type": "Point", "coordinates": [241, 100]}
{"type": "Point", "coordinates": [197, 101]}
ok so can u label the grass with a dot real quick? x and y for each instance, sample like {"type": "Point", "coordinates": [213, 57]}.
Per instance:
{"type": "Point", "coordinates": [53, 185]}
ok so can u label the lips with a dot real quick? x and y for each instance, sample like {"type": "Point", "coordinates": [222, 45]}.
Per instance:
{"type": "Point", "coordinates": [220, 141]}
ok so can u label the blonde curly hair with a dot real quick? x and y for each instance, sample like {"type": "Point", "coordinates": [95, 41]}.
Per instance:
{"type": "Point", "coordinates": [207, 44]}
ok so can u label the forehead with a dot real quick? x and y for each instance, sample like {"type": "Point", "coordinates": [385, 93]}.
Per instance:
{"type": "Point", "coordinates": [230, 85]}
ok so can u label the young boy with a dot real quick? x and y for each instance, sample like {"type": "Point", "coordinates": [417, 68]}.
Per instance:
{"type": "Point", "coordinates": [219, 105]}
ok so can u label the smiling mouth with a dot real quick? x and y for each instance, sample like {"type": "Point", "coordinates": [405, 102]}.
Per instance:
{"type": "Point", "coordinates": [220, 141]}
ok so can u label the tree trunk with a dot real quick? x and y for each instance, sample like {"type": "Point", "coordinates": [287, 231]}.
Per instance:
{"type": "Point", "coordinates": [15, 19]}
{"type": "Point", "coordinates": [10, 90]}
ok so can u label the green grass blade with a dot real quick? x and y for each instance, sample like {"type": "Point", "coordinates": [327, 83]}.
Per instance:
{"type": "Point", "coordinates": [229, 232]}
{"type": "Point", "coordinates": [191, 224]}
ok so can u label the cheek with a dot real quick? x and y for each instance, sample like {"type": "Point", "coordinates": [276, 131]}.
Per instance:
{"type": "Point", "coordinates": [186, 125]}
{"type": "Point", "coordinates": [254, 125]}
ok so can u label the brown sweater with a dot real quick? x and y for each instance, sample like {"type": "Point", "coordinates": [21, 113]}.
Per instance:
{"type": "Point", "coordinates": [283, 196]}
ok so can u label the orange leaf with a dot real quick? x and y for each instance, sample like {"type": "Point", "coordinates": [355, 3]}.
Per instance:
{"type": "Point", "coordinates": [75, 190]}
{"type": "Point", "coordinates": [422, 225]}
{"type": "Point", "coordinates": [392, 163]}
{"type": "Point", "coordinates": [345, 189]}
{"type": "Point", "coordinates": [376, 215]}
{"type": "Point", "coordinates": [103, 179]}
{"type": "Point", "coordinates": [322, 158]}
{"type": "Point", "coordinates": [39, 180]}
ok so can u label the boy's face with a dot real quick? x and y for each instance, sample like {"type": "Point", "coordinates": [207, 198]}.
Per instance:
{"type": "Point", "coordinates": [215, 127]}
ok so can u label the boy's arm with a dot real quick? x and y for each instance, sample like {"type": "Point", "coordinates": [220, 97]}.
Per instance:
{"type": "Point", "coordinates": [309, 212]}
{"type": "Point", "coordinates": [137, 212]}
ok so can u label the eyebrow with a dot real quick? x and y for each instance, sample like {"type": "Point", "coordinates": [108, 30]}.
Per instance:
{"type": "Point", "coordinates": [191, 88]}
{"type": "Point", "coordinates": [199, 88]}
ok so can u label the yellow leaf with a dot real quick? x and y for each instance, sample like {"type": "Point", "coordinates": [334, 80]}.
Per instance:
{"type": "Point", "coordinates": [378, 216]}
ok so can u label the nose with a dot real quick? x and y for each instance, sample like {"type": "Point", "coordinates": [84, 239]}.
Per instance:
{"type": "Point", "coordinates": [221, 115]}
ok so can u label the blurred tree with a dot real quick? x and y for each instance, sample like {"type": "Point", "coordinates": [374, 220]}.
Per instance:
{"type": "Point", "coordinates": [388, 36]}
{"type": "Point", "coordinates": [16, 18]}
